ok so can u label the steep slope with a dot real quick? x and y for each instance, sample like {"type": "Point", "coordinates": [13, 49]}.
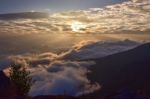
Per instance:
{"type": "Point", "coordinates": [129, 69]}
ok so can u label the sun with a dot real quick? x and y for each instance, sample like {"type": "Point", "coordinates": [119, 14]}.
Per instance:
{"type": "Point", "coordinates": [77, 26]}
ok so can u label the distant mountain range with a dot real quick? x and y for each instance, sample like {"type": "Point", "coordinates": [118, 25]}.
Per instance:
{"type": "Point", "coordinates": [23, 15]}
{"type": "Point", "coordinates": [129, 69]}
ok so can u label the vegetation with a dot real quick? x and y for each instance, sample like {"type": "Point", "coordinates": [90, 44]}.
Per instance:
{"type": "Point", "coordinates": [20, 78]}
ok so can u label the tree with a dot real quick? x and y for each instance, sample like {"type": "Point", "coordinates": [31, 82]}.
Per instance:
{"type": "Point", "coordinates": [20, 78]}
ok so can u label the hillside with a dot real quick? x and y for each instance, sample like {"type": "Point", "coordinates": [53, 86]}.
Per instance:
{"type": "Point", "coordinates": [129, 69]}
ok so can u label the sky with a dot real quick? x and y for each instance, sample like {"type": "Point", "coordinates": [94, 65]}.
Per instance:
{"type": "Point", "coordinates": [125, 17]}
{"type": "Point", "coordinates": [10, 6]}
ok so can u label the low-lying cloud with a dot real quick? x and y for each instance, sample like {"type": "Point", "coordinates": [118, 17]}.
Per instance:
{"type": "Point", "coordinates": [97, 49]}
{"type": "Point", "coordinates": [62, 77]}
{"type": "Point", "coordinates": [58, 76]}
{"type": "Point", "coordinates": [62, 73]}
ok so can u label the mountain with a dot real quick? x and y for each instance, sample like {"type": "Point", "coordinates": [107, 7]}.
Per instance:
{"type": "Point", "coordinates": [24, 15]}
{"type": "Point", "coordinates": [129, 69]}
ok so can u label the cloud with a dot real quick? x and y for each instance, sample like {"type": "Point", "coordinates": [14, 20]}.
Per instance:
{"type": "Point", "coordinates": [57, 76]}
{"type": "Point", "coordinates": [127, 17]}
{"type": "Point", "coordinates": [53, 72]}
{"type": "Point", "coordinates": [62, 73]}
{"type": "Point", "coordinates": [141, 1]}
{"type": "Point", "coordinates": [62, 78]}
{"type": "Point", "coordinates": [54, 76]}
{"type": "Point", "coordinates": [97, 49]}
{"type": "Point", "coordinates": [34, 59]}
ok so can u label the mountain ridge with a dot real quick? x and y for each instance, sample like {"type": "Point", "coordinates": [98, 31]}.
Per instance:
{"type": "Point", "coordinates": [128, 69]}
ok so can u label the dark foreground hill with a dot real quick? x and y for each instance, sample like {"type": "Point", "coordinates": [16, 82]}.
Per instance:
{"type": "Point", "coordinates": [125, 70]}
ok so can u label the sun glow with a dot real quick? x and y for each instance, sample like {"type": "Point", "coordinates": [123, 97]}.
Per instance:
{"type": "Point", "coordinates": [78, 26]}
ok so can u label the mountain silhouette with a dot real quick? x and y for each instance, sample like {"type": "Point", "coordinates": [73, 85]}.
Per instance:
{"type": "Point", "coordinates": [129, 69]}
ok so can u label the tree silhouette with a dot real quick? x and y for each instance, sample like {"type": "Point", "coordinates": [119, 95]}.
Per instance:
{"type": "Point", "coordinates": [20, 78]}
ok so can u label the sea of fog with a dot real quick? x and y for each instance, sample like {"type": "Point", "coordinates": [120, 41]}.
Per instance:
{"type": "Point", "coordinates": [52, 59]}
{"type": "Point", "coordinates": [39, 43]}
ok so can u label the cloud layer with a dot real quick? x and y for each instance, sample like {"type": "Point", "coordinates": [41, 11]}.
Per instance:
{"type": "Point", "coordinates": [62, 73]}
{"type": "Point", "coordinates": [58, 76]}
{"type": "Point", "coordinates": [127, 17]}
{"type": "Point", "coordinates": [62, 77]}
{"type": "Point", "coordinates": [97, 49]}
